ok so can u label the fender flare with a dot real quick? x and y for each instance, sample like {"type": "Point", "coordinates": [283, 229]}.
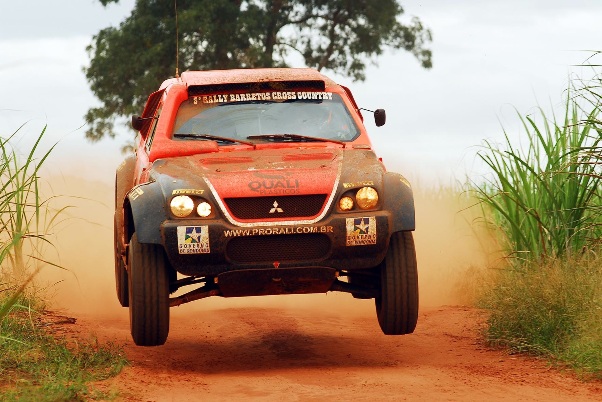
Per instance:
{"type": "Point", "coordinates": [124, 180]}
{"type": "Point", "coordinates": [399, 199]}
{"type": "Point", "coordinates": [147, 206]}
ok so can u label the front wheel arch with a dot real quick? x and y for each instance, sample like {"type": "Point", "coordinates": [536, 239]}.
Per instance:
{"type": "Point", "coordinates": [399, 199]}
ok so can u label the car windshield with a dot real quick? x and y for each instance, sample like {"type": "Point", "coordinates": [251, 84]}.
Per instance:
{"type": "Point", "coordinates": [239, 116]}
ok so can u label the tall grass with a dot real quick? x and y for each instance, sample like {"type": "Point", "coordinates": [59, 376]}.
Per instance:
{"type": "Point", "coordinates": [20, 205]}
{"type": "Point", "coordinates": [34, 365]}
{"type": "Point", "coordinates": [546, 199]}
{"type": "Point", "coordinates": [19, 216]}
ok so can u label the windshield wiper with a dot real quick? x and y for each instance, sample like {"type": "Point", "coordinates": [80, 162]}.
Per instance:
{"type": "Point", "coordinates": [213, 138]}
{"type": "Point", "coordinates": [292, 138]}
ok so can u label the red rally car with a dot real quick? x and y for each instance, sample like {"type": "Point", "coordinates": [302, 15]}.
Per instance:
{"type": "Point", "coordinates": [259, 182]}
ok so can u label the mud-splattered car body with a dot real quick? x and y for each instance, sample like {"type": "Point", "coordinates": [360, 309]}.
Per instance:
{"type": "Point", "coordinates": [259, 182]}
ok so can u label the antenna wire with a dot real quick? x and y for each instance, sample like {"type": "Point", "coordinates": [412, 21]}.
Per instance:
{"type": "Point", "coordinates": [175, 5]}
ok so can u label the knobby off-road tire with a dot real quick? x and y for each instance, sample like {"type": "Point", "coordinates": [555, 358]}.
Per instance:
{"type": "Point", "coordinates": [397, 306]}
{"type": "Point", "coordinates": [149, 293]}
{"type": "Point", "coordinates": [121, 275]}
{"type": "Point", "coordinates": [124, 178]}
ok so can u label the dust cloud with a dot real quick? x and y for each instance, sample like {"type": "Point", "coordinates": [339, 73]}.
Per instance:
{"type": "Point", "coordinates": [82, 245]}
{"type": "Point", "coordinates": [451, 246]}
{"type": "Point", "coordinates": [446, 240]}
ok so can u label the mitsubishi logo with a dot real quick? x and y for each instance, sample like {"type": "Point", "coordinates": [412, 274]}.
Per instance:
{"type": "Point", "coordinates": [276, 209]}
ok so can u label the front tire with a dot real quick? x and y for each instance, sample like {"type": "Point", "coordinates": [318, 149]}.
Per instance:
{"type": "Point", "coordinates": [121, 275]}
{"type": "Point", "coordinates": [397, 306]}
{"type": "Point", "coordinates": [124, 177]}
{"type": "Point", "coordinates": [148, 293]}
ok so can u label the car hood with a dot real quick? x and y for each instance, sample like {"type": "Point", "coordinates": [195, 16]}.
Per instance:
{"type": "Point", "coordinates": [278, 172]}
{"type": "Point", "coordinates": [253, 173]}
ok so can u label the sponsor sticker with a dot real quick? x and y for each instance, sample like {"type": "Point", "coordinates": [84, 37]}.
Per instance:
{"type": "Point", "coordinates": [275, 187]}
{"type": "Point", "coordinates": [193, 239]}
{"type": "Point", "coordinates": [261, 96]}
{"type": "Point", "coordinates": [137, 192]}
{"type": "Point", "coordinates": [284, 230]}
{"type": "Point", "coordinates": [187, 191]}
{"type": "Point", "coordinates": [358, 184]}
{"type": "Point", "coordinates": [361, 231]}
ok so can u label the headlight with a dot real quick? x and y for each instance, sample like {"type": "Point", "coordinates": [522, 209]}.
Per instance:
{"type": "Point", "coordinates": [346, 203]}
{"type": "Point", "coordinates": [181, 206]}
{"type": "Point", "coordinates": [366, 198]}
{"type": "Point", "coordinates": [204, 209]}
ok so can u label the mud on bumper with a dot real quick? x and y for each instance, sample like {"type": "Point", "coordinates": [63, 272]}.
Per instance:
{"type": "Point", "coordinates": [212, 247]}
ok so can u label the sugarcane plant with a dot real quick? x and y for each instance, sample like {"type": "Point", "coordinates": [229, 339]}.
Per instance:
{"type": "Point", "coordinates": [546, 198]}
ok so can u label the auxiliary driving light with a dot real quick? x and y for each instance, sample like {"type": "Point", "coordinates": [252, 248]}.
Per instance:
{"type": "Point", "coordinates": [346, 203]}
{"type": "Point", "coordinates": [181, 206]}
{"type": "Point", "coordinates": [204, 209]}
{"type": "Point", "coordinates": [366, 198]}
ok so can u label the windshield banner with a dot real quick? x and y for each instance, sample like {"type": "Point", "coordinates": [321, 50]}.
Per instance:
{"type": "Point", "coordinates": [262, 96]}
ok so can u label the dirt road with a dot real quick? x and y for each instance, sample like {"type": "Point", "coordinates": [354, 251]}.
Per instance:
{"type": "Point", "coordinates": [320, 351]}
{"type": "Point", "coordinates": [312, 347]}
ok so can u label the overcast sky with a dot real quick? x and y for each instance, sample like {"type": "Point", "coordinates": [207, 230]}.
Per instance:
{"type": "Point", "coordinates": [490, 58]}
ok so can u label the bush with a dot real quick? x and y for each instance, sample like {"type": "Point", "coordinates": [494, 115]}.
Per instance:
{"type": "Point", "coordinates": [552, 309]}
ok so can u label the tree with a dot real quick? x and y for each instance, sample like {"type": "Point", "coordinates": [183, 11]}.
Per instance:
{"type": "Point", "coordinates": [129, 62]}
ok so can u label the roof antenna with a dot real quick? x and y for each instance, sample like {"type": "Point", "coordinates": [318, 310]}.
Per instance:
{"type": "Point", "coordinates": [175, 5]}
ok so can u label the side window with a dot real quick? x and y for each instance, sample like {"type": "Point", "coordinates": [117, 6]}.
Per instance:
{"type": "Point", "coordinates": [153, 128]}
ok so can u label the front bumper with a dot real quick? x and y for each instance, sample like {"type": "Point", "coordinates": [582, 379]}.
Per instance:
{"type": "Point", "coordinates": [204, 247]}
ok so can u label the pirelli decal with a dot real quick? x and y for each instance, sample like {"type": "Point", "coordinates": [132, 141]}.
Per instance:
{"type": "Point", "coordinates": [361, 231]}
{"type": "Point", "coordinates": [193, 239]}
{"type": "Point", "coordinates": [358, 184]}
{"type": "Point", "coordinates": [187, 191]}
{"type": "Point", "coordinates": [263, 231]}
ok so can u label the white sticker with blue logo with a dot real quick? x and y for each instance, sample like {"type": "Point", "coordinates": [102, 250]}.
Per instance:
{"type": "Point", "coordinates": [361, 231]}
{"type": "Point", "coordinates": [193, 239]}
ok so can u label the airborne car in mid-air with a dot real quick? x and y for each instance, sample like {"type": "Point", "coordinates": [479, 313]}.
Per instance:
{"type": "Point", "coordinates": [259, 182]}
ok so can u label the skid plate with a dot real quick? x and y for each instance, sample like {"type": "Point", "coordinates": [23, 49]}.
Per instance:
{"type": "Point", "coordinates": [262, 282]}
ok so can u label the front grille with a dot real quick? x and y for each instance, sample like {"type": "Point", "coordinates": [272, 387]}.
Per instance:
{"type": "Point", "coordinates": [292, 206]}
{"type": "Point", "coordinates": [296, 247]}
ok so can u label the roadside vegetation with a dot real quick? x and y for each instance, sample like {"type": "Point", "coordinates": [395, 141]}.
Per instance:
{"type": "Point", "coordinates": [544, 197]}
{"type": "Point", "coordinates": [35, 364]}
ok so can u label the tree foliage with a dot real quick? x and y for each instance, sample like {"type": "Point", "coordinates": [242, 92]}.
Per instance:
{"type": "Point", "coordinates": [129, 62]}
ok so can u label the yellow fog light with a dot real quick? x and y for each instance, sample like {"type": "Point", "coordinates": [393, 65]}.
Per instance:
{"type": "Point", "coordinates": [366, 198]}
{"type": "Point", "coordinates": [204, 209]}
{"type": "Point", "coordinates": [346, 204]}
{"type": "Point", "coordinates": [181, 206]}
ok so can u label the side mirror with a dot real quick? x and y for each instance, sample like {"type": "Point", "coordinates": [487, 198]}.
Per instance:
{"type": "Point", "coordinates": [380, 117]}
{"type": "Point", "coordinates": [137, 122]}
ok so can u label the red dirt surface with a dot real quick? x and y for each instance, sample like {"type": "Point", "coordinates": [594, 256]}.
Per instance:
{"type": "Point", "coordinates": [302, 347]}
{"type": "Point", "coordinates": [309, 353]}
